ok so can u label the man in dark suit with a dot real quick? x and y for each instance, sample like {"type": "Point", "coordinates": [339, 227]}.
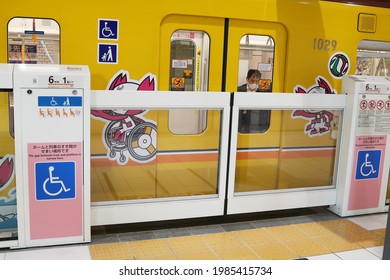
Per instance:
{"type": "Point", "coordinates": [252, 81]}
{"type": "Point", "coordinates": [252, 121]}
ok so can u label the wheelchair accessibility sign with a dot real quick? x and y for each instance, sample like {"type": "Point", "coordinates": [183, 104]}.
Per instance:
{"type": "Point", "coordinates": [108, 29]}
{"type": "Point", "coordinates": [55, 180]}
{"type": "Point", "coordinates": [368, 162]}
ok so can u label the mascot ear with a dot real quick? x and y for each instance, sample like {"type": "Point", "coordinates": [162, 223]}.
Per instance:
{"type": "Point", "coordinates": [299, 90]}
{"type": "Point", "coordinates": [6, 171]}
{"type": "Point", "coordinates": [121, 78]}
{"type": "Point", "coordinates": [322, 83]}
{"type": "Point", "coordinates": [147, 84]}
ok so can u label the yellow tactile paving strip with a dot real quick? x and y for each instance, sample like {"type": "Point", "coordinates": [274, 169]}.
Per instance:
{"type": "Point", "coordinates": [270, 243]}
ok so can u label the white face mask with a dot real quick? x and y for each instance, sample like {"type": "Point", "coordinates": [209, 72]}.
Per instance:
{"type": "Point", "coordinates": [252, 86]}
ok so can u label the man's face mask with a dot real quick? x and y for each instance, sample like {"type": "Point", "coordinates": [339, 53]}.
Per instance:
{"type": "Point", "coordinates": [252, 86]}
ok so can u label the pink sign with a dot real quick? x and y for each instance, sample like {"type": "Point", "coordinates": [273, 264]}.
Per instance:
{"type": "Point", "coordinates": [367, 172]}
{"type": "Point", "coordinates": [55, 190]}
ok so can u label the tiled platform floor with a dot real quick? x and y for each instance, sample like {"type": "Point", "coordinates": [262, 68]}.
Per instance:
{"type": "Point", "coordinates": [310, 233]}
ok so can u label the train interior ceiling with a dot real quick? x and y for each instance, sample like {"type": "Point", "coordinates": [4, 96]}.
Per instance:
{"type": "Point", "coordinates": [165, 157]}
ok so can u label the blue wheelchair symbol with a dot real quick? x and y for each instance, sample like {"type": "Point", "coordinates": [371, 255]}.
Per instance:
{"type": "Point", "coordinates": [367, 166]}
{"type": "Point", "coordinates": [55, 180]}
{"type": "Point", "coordinates": [108, 29]}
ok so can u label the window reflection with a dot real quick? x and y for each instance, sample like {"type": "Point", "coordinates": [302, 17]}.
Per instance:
{"type": "Point", "coordinates": [189, 69]}
{"type": "Point", "coordinates": [33, 41]}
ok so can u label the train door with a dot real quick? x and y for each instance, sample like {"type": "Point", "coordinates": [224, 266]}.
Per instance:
{"type": "Point", "coordinates": [258, 46]}
{"type": "Point", "coordinates": [255, 46]}
{"type": "Point", "coordinates": [191, 136]}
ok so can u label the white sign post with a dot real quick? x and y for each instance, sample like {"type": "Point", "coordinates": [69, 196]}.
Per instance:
{"type": "Point", "coordinates": [364, 156]}
{"type": "Point", "coordinates": [52, 131]}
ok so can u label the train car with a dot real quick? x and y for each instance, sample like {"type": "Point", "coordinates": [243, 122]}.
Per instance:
{"type": "Point", "coordinates": [142, 156]}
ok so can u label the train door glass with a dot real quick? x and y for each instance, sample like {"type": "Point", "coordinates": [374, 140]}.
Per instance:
{"type": "Point", "coordinates": [260, 47]}
{"type": "Point", "coordinates": [33, 41]}
{"type": "Point", "coordinates": [189, 71]}
{"type": "Point", "coordinates": [256, 60]}
{"type": "Point", "coordinates": [373, 59]}
{"type": "Point", "coordinates": [189, 61]}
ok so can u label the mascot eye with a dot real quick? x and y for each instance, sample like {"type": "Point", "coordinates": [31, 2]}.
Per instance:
{"type": "Point", "coordinates": [120, 87]}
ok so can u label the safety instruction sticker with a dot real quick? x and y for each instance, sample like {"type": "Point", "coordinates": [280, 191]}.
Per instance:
{"type": "Point", "coordinates": [60, 106]}
{"type": "Point", "coordinates": [374, 114]}
{"type": "Point", "coordinates": [59, 101]}
{"type": "Point", "coordinates": [177, 83]}
{"type": "Point", "coordinates": [366, 179]}
{"type": "Point", "coordinates": [55, 189]}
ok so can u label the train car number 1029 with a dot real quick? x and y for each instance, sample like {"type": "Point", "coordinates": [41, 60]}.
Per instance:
{"type": "Point", "coordinates": [324, 45]}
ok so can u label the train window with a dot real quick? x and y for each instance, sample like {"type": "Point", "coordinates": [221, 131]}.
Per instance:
{"type": "Point", "coordinates": [373, 58]}
{"type": "Point", "coordinates": [189, 68]}
{"type": "Point", "coordinates": [256, 60]}
{"type": "Point", "coordinates": [33, 41]}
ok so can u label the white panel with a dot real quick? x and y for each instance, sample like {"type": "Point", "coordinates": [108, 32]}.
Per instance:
{"type": "Point", "coordinates": [156, 211]}
{"type": "Point", "coordinates": [6, 71]}
{"type": "Point", "coordinates": [281, 200]}
{"type": "Point", "coordinates": [101, 99]}
{"type": "Point", "coordinates": [8, 243]}
{"type": "Point", "coordinates": [267, 100]}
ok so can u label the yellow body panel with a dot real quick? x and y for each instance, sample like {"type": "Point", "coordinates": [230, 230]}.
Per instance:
{"type": "Point", "coordinates": [144, 47]}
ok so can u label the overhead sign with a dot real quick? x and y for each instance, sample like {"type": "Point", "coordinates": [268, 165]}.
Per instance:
{"type": "Point", "coordinates": [18, 48]}
{"type": "Point", "coordinates": [30, 32]}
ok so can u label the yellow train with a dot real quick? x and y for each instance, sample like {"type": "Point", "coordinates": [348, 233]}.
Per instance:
{"type": "Point", "coordinates": [297, 46]}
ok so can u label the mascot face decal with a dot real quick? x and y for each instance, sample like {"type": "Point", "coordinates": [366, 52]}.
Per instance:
{"type": "Point", "coordinates": [127, 133]}
{"type": "Point", "coordinates": [319, 121]}
{"type": "Point", "coordinates": [6, 171]}
{"type": "Point", "coordinates": [121, 82]}
{"type": "Point", "coordinates": [7, 194]}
